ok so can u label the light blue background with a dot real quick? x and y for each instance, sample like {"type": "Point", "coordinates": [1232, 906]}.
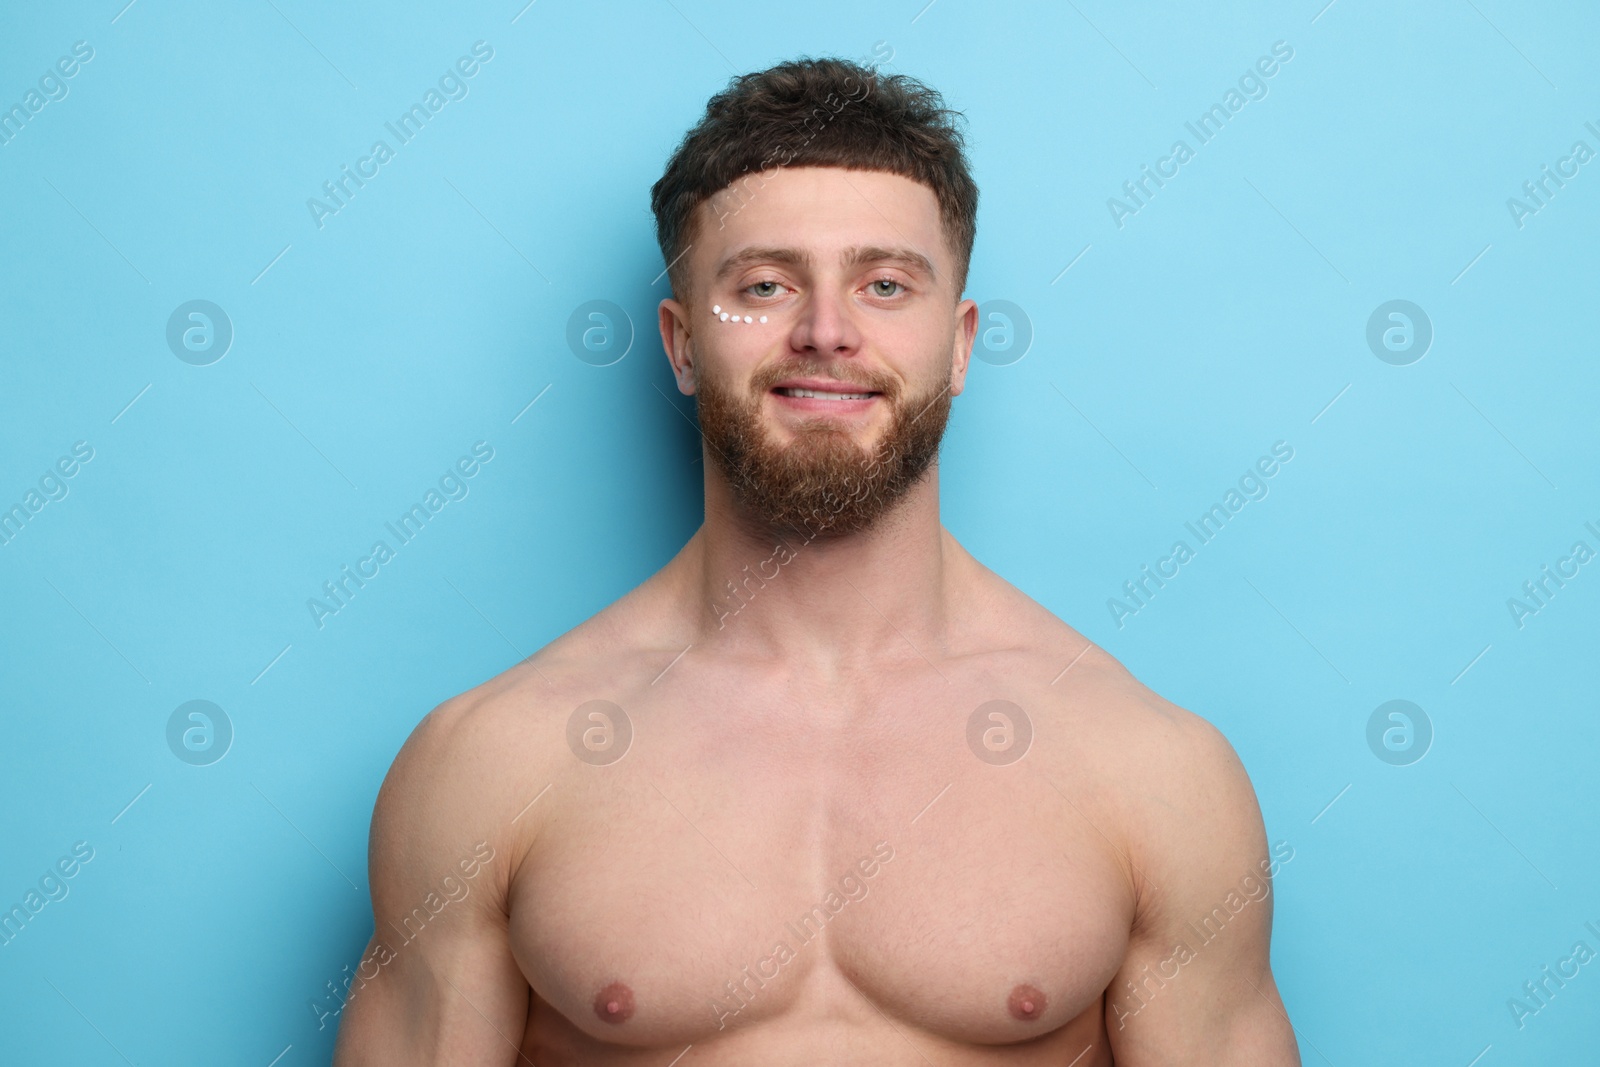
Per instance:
{"type": "Point", "coordinates": [369, 354]}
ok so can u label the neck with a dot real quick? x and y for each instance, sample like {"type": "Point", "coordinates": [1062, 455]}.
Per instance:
{"type": "Point", "coordinates": [826, 604]}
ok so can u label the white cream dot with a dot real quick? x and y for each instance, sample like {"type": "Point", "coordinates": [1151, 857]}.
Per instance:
{"type": "Point", "coordinates": [724, 316]}
{"type": "Point", "coordinates": [715, 308]}
{"type": "Point", "coordinates": [747, 318]}
{"type": "Point", "coordinates": [763, 318]}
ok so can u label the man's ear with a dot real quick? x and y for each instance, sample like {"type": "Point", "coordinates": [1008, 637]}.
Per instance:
{"type": "Point", "coordinates": [966, 331]}
{"type": "Point", "coordinates": [678, 344]}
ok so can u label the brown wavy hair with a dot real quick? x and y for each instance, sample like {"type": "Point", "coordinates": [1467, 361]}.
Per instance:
{"type": "Point", "coordinates": [816, 113]}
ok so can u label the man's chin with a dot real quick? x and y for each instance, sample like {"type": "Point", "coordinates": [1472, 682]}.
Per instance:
{"type": "Point", "coordinates": [827, 443]}
{"type": "Point", "coordinates": [819, 488]}
{"type": "Point", "coordinates": [819, 476]}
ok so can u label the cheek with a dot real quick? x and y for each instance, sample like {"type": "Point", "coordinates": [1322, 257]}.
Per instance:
{"type": "Point", "coordinates": [923, 352]}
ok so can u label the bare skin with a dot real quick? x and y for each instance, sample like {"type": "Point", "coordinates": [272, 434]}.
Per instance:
{"type": "Point", "coordinates": [806, 852]}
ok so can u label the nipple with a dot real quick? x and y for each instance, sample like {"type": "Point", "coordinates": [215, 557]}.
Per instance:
{"type": "Point", "coordinates": [1026, 1003]}
{"type": "Point", "coordinates": [614, 1003]}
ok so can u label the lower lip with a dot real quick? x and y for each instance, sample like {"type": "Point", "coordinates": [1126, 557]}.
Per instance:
{"type": "Point", "coordinates": [817, 404]}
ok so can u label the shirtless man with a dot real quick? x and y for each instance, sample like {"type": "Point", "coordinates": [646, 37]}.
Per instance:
{"type": "Point", "coordinates": [824, 789]}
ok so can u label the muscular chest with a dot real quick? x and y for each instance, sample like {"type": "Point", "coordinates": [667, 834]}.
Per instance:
{"type": "Point", "coordinates": [742, 866]}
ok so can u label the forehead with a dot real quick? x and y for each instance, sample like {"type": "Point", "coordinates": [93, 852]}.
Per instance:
{"type": "Point", "coordinates": [822, 211]}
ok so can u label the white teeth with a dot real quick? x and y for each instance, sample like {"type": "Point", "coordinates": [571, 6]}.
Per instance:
{"type": "Point", "coordinates": [813, 394]}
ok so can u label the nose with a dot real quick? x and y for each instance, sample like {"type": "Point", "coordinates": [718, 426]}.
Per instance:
{"type": "Point", "coordinates": [826, 325]}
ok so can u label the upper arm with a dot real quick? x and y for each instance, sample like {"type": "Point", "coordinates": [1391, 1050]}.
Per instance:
{"type": "Point", "coordinates": [1196, 986]}
{"type": "Point", "coordinates": [438, 983]}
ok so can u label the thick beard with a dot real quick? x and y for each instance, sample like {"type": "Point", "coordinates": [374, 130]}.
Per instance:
{"type": "Point", "coordinates": [822, 483]}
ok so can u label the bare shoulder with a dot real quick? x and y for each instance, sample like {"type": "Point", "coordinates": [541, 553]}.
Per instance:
{"type": "Point", "coordinates": [1189, 817]}
{"type": "Point", "coordinates": [475, 766]}
{"type": "Point", "coordinates": [1168, 791]}
{"type": "Point", "coordinates": [1164, 784]}
{"type": "Point", "coordinates": [1181, 756]}
{"type": "Point", "coordinates": [1189, 793]}
{"type": "Point", "coordinates": [1173, 779]}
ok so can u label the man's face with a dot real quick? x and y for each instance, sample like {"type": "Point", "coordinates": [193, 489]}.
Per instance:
{"type": "Point", "coordinates": [830, 403]}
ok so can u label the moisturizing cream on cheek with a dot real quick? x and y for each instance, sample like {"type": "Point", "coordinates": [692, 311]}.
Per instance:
{"type": "Point", "coordinates": [716, 309]}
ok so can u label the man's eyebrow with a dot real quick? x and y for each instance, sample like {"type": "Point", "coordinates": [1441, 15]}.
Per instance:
{"type": "Point", "coordinates": [858, 256]}
{"type": "Point", "coordinates": [747, 256]}
{"type": "Point", "coordinates": [907, 258]}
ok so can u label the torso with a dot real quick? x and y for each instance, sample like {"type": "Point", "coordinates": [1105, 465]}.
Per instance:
{"type": "Point", "coordinates": [786, 870]}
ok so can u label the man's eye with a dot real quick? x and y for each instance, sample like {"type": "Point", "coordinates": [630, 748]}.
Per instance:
{"type": "Point", "coordinates": [879, 283]}
{"type": "Point", "coordinates": [762, 289]}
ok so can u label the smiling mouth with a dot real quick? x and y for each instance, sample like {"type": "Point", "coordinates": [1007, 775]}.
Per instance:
{"type": "Point", "coordinates": [819, 394]}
